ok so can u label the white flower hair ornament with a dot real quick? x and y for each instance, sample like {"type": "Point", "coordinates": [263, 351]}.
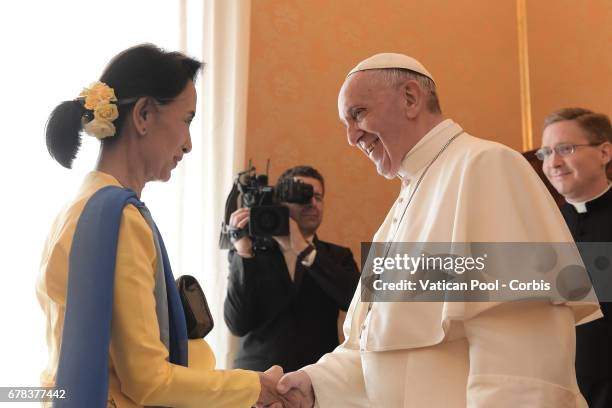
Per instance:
{"type": "Point", "coordinates": [100, 100]}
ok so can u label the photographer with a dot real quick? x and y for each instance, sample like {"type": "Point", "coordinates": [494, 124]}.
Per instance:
{"type": "Point", "coordinates": [287, 296]}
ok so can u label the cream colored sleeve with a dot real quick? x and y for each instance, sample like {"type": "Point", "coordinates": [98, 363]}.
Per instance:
{"type": "Point", "coordinates": [522, 355]}
{"type": "Point", "coordinates": [139, 357]}
{"type": "Point", "coordinates": [337, 379]}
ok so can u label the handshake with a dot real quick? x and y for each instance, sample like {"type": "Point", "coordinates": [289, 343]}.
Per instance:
{"type": "Point", "coordinates": [292, 390]}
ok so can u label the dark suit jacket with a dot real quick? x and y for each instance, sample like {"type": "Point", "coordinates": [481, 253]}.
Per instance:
{"type": "Point", "coordinates": [283, 322]}
{"type": "Point", "coordinates": [593, 340]}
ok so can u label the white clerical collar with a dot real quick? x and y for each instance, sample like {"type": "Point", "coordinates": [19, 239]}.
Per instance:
{"type": "Point", "coordinates": [426, 148]}
{"type": "Point", "coordinates": [580, 206]}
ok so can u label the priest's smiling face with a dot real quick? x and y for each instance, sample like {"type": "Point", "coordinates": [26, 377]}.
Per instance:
{"type": "Point", "coordinates": [578, 176]}
{"type": "Point", "coordinates": [376, 120]}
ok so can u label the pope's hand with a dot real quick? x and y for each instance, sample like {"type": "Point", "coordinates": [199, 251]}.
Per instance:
{"type": "Point", "coordinates": [296, 387]}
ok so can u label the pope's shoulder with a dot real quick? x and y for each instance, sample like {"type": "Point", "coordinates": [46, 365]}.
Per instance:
{"type": "Point", "coordinates": [493, 153]}
{"type": "Point", "coordinates": [478, 145]}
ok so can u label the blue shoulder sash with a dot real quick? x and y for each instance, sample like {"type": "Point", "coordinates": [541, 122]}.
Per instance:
{"type": "Point", "coordinates": [84, 351]}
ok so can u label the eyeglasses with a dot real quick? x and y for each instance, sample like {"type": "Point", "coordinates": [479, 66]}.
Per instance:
{"type": "Point", "coordinates": [562, 149]}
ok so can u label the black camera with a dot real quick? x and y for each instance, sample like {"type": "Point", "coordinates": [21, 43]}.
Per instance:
{"type": "Point", "coordinates": [268, 216]}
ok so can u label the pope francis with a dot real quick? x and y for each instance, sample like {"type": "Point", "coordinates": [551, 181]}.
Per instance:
{"type": "Point", "coordinates": [455, 188]}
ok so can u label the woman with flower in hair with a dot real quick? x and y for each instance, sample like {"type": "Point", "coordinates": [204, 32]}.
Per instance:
{"type": "Point", "coordinates": [116, 328]}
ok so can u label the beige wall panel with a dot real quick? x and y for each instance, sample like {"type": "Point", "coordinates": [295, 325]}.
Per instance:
{"type": "Point", "coordinates": [570, 56]}
{"type": "Point", "coordinates": [302, 49]}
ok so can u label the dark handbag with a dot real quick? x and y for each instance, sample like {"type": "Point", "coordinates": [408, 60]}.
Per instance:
{"type": "Point", "coordinates": [197, 314]}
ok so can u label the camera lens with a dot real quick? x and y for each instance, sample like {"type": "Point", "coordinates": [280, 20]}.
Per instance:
{"type": "Point", "coordinates": [268, 220]}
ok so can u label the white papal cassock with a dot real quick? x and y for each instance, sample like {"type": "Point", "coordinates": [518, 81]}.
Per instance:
{"type": "Point", "coordinates": [428, 354]}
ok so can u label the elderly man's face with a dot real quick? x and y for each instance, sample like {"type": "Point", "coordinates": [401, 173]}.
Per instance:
{"type": "Point", "coordinates": [577, 176]}
{"type": "Point", "coordinates": [375, 120]}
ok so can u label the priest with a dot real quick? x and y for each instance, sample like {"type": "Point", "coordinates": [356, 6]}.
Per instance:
{"type": "Point", "coordinates": [575, 153]}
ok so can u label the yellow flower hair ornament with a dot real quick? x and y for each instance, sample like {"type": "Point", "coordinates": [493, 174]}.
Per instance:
{"type": "Point", "coordinates": [100, 99]}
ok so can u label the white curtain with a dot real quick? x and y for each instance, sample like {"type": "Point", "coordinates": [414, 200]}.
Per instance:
{"type": "Point", "coordinates": [216, 31]}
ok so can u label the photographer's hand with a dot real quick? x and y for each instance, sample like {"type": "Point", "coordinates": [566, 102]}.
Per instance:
{"type": "Point", "coordinates": [298, 242]}
{"type": "Point", "coordinates": [295, 240]}
{"type": "Point", "coordinates": [238, 220]}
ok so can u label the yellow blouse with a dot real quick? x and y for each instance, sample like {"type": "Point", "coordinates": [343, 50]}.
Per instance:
{"type": "Point", "coordinates": [139, 371]}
